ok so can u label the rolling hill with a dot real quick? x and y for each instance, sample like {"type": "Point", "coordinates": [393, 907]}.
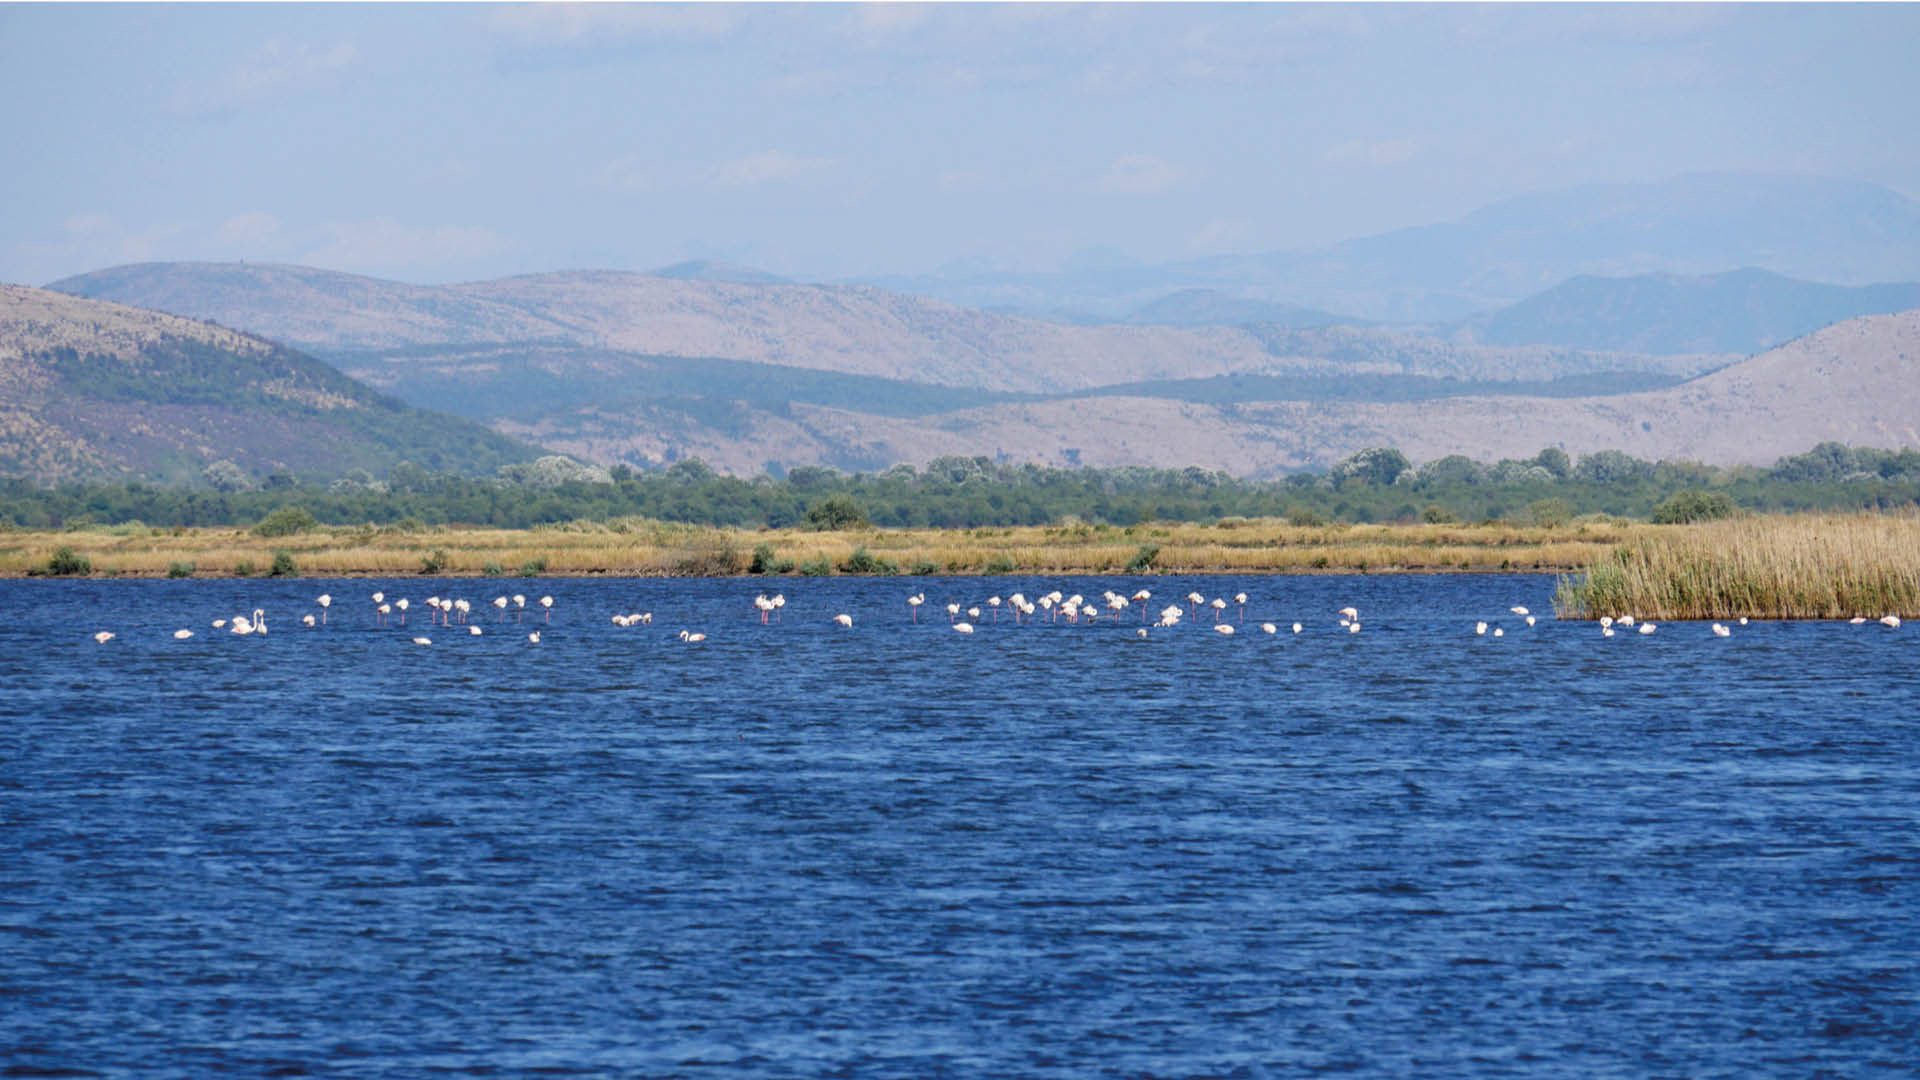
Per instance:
{"type": "Point", "coordinates": [1742, 311]}
{"type": "Point", "coordinates": [1856, 382]}
{"type": "Point", "coordinates": [93, 389]}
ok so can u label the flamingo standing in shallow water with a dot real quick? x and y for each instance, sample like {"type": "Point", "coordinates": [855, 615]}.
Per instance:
{"type": "Point", "coordinates": [325, 600]}
{"type": "Point", "coordinates": [546, 602]}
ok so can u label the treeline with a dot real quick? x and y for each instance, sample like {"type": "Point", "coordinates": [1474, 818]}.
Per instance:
{"type": "Point", "coordinates": [1375, 485]}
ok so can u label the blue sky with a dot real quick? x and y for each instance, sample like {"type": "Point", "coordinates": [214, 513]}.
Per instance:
{"type": "Point", "coordinates": [442, 142]}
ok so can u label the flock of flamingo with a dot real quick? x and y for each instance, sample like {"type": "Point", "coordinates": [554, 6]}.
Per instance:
{"type": "Point", "coordinates": [1053, 606]}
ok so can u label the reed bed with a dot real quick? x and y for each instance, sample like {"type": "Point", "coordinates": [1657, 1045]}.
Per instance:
{"type": "Point", "coordinates": [1785, 567]}
{"type": "Point", "coordinates": [630, 547]}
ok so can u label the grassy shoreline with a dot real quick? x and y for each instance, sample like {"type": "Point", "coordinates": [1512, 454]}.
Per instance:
{"type": "Point", "coordinates": [1788, 567]}
{"type": "Point", "coordinates": [651, 549]}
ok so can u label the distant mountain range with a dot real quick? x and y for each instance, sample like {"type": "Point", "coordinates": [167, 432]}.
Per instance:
{"type": "Point", "coordinates": [1810, 227]}
{"type": "Point", "coordinates": [1743, 311]}
{"type": "Point", "coordinates": [90, 389]}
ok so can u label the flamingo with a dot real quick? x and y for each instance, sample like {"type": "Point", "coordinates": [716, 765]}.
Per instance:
{"type": "Point", "coordinates": [1519, 610]}
{"type": "Point", "coordinates": [423, 641]}
{"type": "Point", "coordinates": [844, 620]}
{"type": "Point", "coordinates": [1223, 628]}
{"type": "Point", "coordinates": [690, 638]}
{"type": "Point", "coordinates": [240, 626]}
{"type": "Point", "coordinates": [1743, 620]}
{"type": "Point", "coordinates": [1529, 620]}
{"type": "Point", "coordinates": [519, 605]}
{"type": "Point", "coordinates": [103, 637]}
{"type": "Point", "coordinates": [473, 631]}
{"type": "Point", "coordinates": [1353, 628]}
{"type": "Point", "coordinates": [1891, 622]}
{"type": "Point", "coordinates": [219, 624]}
{"type": "Point", "coordinates": [764, 606]}
{"type": "Point", "coordinates": [306, 620]}
{"type": "Point", "coordinates": [1240, 600]}
{"type": "Point", "coordinates": [1646, 628]}
{"type": "Point", "coordinates": [383, 611]}
{"type": "Point", "coordinates": [1857, 620]}
{"type": "Point", "coordinates": [1606, 631]}
{"type": "Point", "coordinates": [400, 605]}
{"type": "Point", "coordinates": [182, 635]}
{"type": "Point", "coordinates": [547, 603]}
{"type": "Point", "coordinates": [1141, 633]}
{"type": "Point", "coordinates": [1606, 622]}
{"type": "Point", "coordinates": [1721, 631]}
{"type": "Point", "coordinates": [779, 601]}
{"type": "Point", "coordinates": [534, 638]}
{"type": "Point", "coordinates": [973, 613]}
{"type": "Point", "coordinates": [913, 604]}
{"type": "Point", "coordinates": [1194, 600]}
{"type": "Point", "coordinates": [325, 600]}
{"type": "Point", "coordinates": [953, 612]}
{"type": "Point", "coordinates": [1497, 632]}
{"type": "Point", "coordinates": [1218, 607]}
{"type": "Point", "coordinates": [994, 603]}
{"type": "Point", "coordinates": [433, 609]}
{"type": "Point", "coordinates": [1269, 628]}
{"type": "Point", "coordinates": [1296, 628]}
{"type": "Point", "coordinates": [1351, 613]}
{"type": "Point", "coordinates": [500, 605]}
{"type": "Point", "coordinates": [1625, 621]}
{"type": "Point", "coordinates": [1480, 628]}
{"type": "Point", "coordinates": [963, 628]}
{"type": "Point", "coordinates": [464, 608]}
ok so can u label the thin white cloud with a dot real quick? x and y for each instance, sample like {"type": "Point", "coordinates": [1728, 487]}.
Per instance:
{"type": "Point", "coordinates": [1371, 154]}
{"type": "Point", "coordinates": [1139, 174]}
{"type": "Point", "coordinates": [768, 167]}
{"type": "Point", "coordinates": [567, 23]}
{"type": "Point", "coordinates": [274, 68]}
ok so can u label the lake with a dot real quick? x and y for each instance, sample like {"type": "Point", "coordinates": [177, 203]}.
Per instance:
{"type": "Point", "coordinates": [1043, 850]}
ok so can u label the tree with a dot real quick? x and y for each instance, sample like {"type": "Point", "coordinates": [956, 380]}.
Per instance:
{"type": "Point", "coordinates": [837, 512]}
{"type": "Point", "coordinates": [226, 476]}
{"type": "Point", "coordinates": [1379, 465]}
{"type": "Point", "coordinates": [1554, 460]}
{"type": "Point", "coordinates": [1683, 507]}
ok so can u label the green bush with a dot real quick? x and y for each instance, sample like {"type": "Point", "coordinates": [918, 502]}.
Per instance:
{"type": "Point", "coordinates": [863, 561]}
{"type": "Point", "coordinates": [493, 569]}
{"type": "Point", "coordinates": [1142, 561]}
{"type": "Point", "coordinates": [923, 568]}
{"type": "Point", "coordinates": [820, 567]}
{"type": "Point", "coordinates": [283, 564]}
{"type": "Point", "coordinates": [286, 521]}
{"type": "Point", "coordinates": [1549, 513]}
{"type": "Point", "coordinates": [243, 568]}
{"type": "Point", "coordinates": [767, 561]}
{"type": "Point", "coordinates": [533, 567]}
{"type": "Point", "coordinates": [1684, 507]}
{"type": "Point", "coordinates": [66, 562]}
{"type": "Point", "coordinates": [837, 512]}
{"type": "Point", "coordinates": [1001, 563]}
{"type": "Point", "coordinates": [1435, 514]}
{"type": "Point", "coordinates": [1306, 517]}
{"type": "Point", "coordinates": [712, 556]}
{"type": "Point", "coordinates": [433, 562]}
{"type": "Point", "coordinates": [179, 569]}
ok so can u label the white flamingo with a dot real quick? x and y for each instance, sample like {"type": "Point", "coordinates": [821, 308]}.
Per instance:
{"type": "Point", "coordinates": [400, 605]}
{"type": "Point", "coordinates": [913, 604]}
{"type": "Point", "coordinates": [500, 605]}
{"type": "Point", "coordinates": [325, 600]}
{"type": "Point", "coordinates": [1480, 628]}
{"type": "Point", "coordinates": [844, 620]}
{"type": "Point", "coordinates": [1721, 631]}
{"type": "Point", "coordinates": [963, 628]}
{"type": "Point", "coordinates": [182, 635]}
{"type": "Point", "coordinates": [690, 638]}
{"type": "Point", "coordinates": [1269, 628]}
{"type": "Point", "coordinates": [103, 637]}
{"type": "Point", "coordinates": [1297, 628]}
{"type": "Point", "coordinates": [473, 631]}
{"type": "Point", "coordinates": [1519, 610]}
{"type": "Point", "coordinates": [1646, 628]}
{"type": "Point", "coordinates": [1240, 601]}
{"type": "Point", "coordinates": [1219, 606]}
{"type": "Point", "coordinates": [1223, 628]}
{"type": "Point", "coordinates": [423, 641]}
{"type": "Point", "coordinates": [534, 637]}
{"type": "Point", "coordinates": [546, 602]}
{"type": "Point", "coordinates": [307, 620]}
{"type": "Point", "coordinates": [1891, 622]}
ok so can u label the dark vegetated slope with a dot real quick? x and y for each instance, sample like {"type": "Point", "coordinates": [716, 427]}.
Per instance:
{"type": "Point", "coordinates": [1742, 311]}
{"type": "Point", "coordinates": [101, 389]}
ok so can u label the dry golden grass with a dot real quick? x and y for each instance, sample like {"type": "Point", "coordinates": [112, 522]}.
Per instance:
{"type": "Point", "coordinates": [1788, 567]}
{"type": "Point", "coordinates": [642, 548]}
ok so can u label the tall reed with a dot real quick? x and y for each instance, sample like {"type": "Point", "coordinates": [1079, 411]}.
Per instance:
{"type": "Point", "coordinates": [1798, 567]}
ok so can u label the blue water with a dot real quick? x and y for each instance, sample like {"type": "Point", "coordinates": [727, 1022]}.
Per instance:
{"type": "Point", "coordinates": [1052, 850]}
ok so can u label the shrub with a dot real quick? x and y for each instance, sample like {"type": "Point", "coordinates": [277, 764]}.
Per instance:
{"type": "Point", "coordinates": [433, 562]}
{"type": "Point", "coordinates": [923, 568]}
{"type": "Point", "coordinates": [1143, 559]}
{"type": "Point", "coordinates": [820, 567]}
{"type": "Point", "coordinates": [767, 561]}
{"type": "Point", "coordinates": [837, 512]}
{"type": "Point", "coordinates": [283, 564]}
{"type": "Point", "coordinates": [1550, 513]}
{"type": "Point", "coordinates": [1435, 514]}
{"type": "Point", "coordinates": [863, 561]}
{"type": "Point", "coordinates": [179, 569]}
{"type": "Point", "coordinates": [286, 521]}
{"type": "Point", "coordinates": [243, 568]}
{"type": "Point", "coordinates": [1001, 563]}
{"type": "Point", "coordinates": [1306, 516]}
{"type": "Point", "coordinates": [1683, 507]}
{"type": "Point", "coordinates": [66, 562]}
{"type": "Point", "coordinates": [493, 569]}
{"type": "Point", "coordinates": [712, 556]}
{"type": "Point", "coordinates": [533, 567]}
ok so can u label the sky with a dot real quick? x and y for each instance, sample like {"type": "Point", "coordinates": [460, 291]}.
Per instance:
{"type": "Point", "coordinates": [439, 143]}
